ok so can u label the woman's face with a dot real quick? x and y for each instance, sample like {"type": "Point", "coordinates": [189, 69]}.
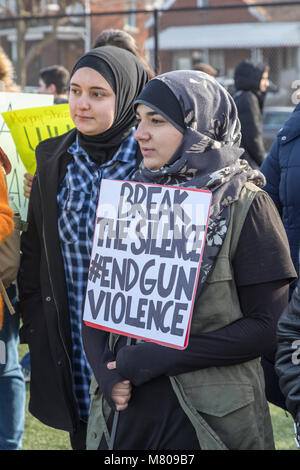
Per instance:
{"type": "Point", "coordinates": [158, 138]}
{"type": "Point", "coordinates": [91, 102]}
{"type": "Point", "coordinates": [264, 82]}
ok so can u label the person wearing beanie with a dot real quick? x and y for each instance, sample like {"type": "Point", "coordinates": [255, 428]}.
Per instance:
{"type": "Point", "coordinates": [251, 83]}
{"type": "Point", "coordinates": [56, 248]}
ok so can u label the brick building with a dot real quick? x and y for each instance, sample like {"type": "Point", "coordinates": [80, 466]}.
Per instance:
{"type": "Point", "coordinates": [223, 37]}
{"type": "Point", "coordinates": [73, 34]}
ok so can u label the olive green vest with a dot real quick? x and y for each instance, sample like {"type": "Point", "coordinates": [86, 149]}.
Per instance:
{"type": "Point", "coordinates": [226, 405]}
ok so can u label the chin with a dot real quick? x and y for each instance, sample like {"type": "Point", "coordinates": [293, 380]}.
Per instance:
{"type": "Point", "coordinates": [85, 131]}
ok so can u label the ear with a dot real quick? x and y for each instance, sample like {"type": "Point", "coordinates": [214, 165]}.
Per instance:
{"type": "Point", "coordinates": [52, 88]}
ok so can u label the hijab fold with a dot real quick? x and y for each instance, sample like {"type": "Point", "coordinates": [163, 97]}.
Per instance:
{"type": "Point", "coordinates": [127, 77]}
{"type": "Point", "coordinates": [209, 156]}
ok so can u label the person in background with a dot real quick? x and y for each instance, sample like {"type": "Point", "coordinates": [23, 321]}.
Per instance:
{"type": "Point", "coordinates": [12, 385]}
{"type": "Point", "coordinates": [54, 81]}
{"type": "Point", "coordinates": [7, 82]}
{"type": "Point", "coordinates": [288, 357]}
{"type": "Point", "coordinates": [61, 218]}
{"type": "Point", "coordinates": [124, 40]}
{"type": "Point", "coordinates": [210, 395]}
{"type": "Point", "coordinates": [206, 68]}
{"type": "Point", "coordinates": [251, 83]}
{"type": "Point", "coordinates": [281, 168]}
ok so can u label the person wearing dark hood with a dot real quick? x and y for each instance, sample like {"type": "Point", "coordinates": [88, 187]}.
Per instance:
{"type": "Point", "coordinates": [251, 83]}
{"type": "Point", "coordinates": [56, 249]}
{"type": "Point", "coordinates": [211, 394]}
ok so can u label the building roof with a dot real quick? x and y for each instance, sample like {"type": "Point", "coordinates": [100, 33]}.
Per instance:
{"type": "Point", "coordinates": [273, 13]}
{"type": "Point", "coordinates": [228, 36]}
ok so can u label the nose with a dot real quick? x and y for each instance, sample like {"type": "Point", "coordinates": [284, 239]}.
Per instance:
{"type": "Point", "coordinates": [83, 101]}
{"type": "Point", "coordinates": [141, 132]}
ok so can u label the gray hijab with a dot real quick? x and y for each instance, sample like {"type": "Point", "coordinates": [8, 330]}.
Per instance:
{"type": "Point", "coordinates": [209, 156]}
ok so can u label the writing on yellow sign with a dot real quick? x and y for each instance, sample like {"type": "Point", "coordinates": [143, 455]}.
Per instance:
{"type": "Point", "coordinates": [28, 127]}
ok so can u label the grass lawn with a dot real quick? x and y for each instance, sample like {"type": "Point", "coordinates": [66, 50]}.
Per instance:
{"type": "Point", "coordinates": [37, 436]}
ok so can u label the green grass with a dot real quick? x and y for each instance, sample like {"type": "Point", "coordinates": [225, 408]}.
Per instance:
{"type": "Point", "coordinates": [283, 429]}
{"type": "Point", "coordinates": [37, 436]}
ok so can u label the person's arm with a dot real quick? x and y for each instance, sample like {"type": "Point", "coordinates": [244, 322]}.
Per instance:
{"type": "Point", "coordinates": [262, 270]}
{"type": "Point", "coordinates": [98, 353]}
{"type": "Point", "coordinates": [27, 184]}
{"type": "Point", "coordinates": [6, 214]}
{"type": "Point", "coordinates": [271, 169]}
{"type": "Point", "coordinates": [288, 354]}
{"type": "Point", "coordinates": [250, 337]}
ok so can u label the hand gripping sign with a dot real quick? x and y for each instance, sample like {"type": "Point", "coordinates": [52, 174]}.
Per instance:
{"type": "Point", "coordinates": [145, 260]}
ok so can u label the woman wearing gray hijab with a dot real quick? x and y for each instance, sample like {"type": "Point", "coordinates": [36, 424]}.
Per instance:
{"type": "Point", "coordinates": [210, 395]}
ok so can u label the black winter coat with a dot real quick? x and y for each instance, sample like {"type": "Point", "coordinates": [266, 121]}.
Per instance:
{"type": "Point", "coordinates": [249, 101]}
{"type": "Point", "coordinates": [43, 303]}
{"type": "Point", "coordinates": [43, 297]}
{"type": "Point", "coordinates": [288, 354]}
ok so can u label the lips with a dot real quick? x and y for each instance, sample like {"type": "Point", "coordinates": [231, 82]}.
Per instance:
{"type": "Point", "coordinates": [146, 151]}
{"type": "Point", "coordinates": [83, 118]}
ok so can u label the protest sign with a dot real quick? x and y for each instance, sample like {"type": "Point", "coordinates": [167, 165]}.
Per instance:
{"type": "Point", "coordinates": [145, 260]}
{"type": "Point", "coordinates": [29, 126]}
{"type": "Point", "coordinates": [10, 102]}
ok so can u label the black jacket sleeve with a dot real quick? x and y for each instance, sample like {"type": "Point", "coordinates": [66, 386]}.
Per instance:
{"type": "Point", "coordinates": [262, 270]}
{"type": "Point", "coordinates": [98, 354]}
{"type": "Point", "coordinates": [30, 299]}
{"type": "Point", "coordinates": [288, 354]}
{"type": "Point", "coordinates": [250, 337]}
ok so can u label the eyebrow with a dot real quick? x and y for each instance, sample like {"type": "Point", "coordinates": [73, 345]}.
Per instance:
{"type": "Point", "coordinates": [91, 88]}
{"type": "Point", "coordinates": [149, 113]}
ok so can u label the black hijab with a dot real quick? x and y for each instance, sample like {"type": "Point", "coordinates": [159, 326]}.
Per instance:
{"type": "Point", "coordinates": [127, 77]}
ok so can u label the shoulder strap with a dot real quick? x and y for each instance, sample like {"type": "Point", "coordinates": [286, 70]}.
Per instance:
{"type": "Point", "coordinates": [241, 209]}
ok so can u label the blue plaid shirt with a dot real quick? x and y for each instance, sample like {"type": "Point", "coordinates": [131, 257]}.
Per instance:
{"type": "Point", "coordinates": [77, 203]}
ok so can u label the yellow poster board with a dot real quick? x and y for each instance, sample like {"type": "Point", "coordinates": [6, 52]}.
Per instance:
{"type": "Point", "coordinates": [30, 126]}
{"type": "Point", "coordinates": [12, 102]}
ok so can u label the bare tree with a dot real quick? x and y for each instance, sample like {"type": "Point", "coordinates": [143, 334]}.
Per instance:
{"type": "Point", "coordinates": [27, 10]}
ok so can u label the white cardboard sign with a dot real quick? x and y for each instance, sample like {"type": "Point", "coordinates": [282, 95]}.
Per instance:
{"type": "Point", "coordinates": [145, 260]}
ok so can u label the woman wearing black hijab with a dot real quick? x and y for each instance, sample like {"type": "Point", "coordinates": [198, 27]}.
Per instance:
{"type": "Point", "coordinates": [56, 248]}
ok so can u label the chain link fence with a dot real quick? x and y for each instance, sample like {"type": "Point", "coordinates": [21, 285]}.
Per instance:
{"type": "Point", "coordinates": [177, 37]}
